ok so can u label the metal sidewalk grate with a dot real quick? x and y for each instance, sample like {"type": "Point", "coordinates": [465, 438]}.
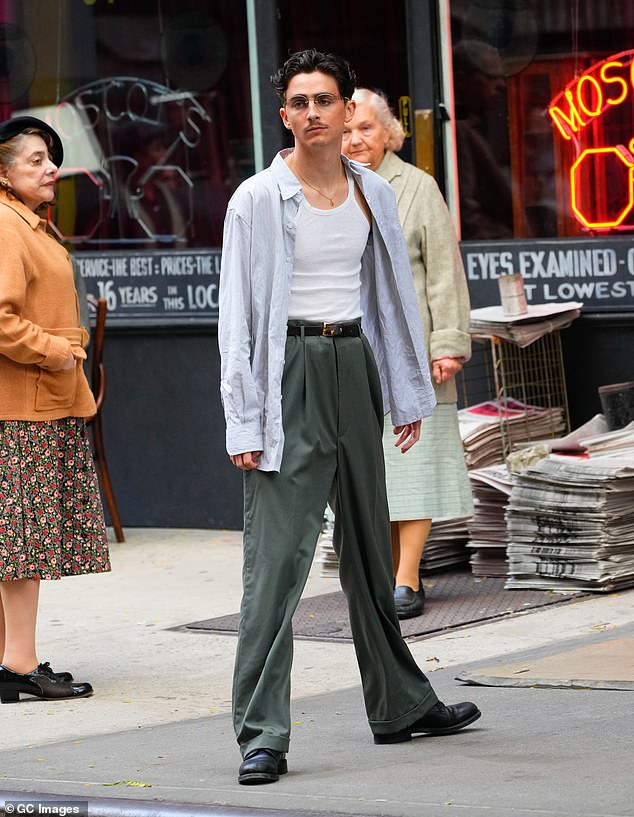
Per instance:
{"type": "Point", "coordinates": [453, 599]}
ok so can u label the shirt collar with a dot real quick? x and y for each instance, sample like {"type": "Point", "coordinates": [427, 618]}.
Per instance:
{"type": "Point", "coordinates": [288, 182]}
{"type": "Point", "coordinates": [31, 218]}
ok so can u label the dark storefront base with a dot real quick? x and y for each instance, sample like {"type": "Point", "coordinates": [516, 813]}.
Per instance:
{"type": "Point", "coordinates": [164, 425]}
{"type": "Point", "coordinates": [598, 350]}
{"type": "Point", "coordinates": [164, 430]}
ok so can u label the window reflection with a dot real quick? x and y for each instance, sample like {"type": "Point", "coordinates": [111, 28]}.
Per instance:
{"type": "Point", "coordinates": [486, 204]}
{"type": "Point", "coordinates": [152, 101]}
{"type": "Point", "coordinates": [510, 60]}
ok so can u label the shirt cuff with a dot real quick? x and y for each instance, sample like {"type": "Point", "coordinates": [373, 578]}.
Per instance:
{"type": "Point", "coordinates": [244, 437]}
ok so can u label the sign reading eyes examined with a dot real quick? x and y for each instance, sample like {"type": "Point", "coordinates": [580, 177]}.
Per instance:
{"type": "Point", "coordinates": [594, 114]}
{"type": "Point", "coordinates": [598, 271]}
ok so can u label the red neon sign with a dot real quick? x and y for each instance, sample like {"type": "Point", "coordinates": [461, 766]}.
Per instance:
{"type": "Point", "coordinates": [603, 85]}
{"type": "Point", "coordinates": [602, 175]}
{"type": "Point", "coordinates": [596, 160]}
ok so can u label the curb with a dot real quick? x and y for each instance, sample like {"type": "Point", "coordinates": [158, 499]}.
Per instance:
{"type": "Point", "coordinates": [38, 803]}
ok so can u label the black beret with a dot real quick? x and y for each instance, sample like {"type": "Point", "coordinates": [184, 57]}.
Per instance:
{"type": "Point", "coordinates": [12, 127]}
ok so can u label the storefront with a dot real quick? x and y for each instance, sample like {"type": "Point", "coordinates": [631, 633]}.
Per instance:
{"type": "Point", "coordinates": [521, 108]}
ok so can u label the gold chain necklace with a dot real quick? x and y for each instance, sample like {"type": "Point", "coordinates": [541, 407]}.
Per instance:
{"type": "Point", "coordinates": [312, 186]}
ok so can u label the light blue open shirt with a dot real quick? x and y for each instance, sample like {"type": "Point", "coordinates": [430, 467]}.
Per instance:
{"type": "Point", "coordinates": [255, 279]}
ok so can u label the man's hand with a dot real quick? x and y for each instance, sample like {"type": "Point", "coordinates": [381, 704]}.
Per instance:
{"type": "Point", "coordinates": [408, 435]}
{"type": "Point", "coordinates": [247, 461]}
{"type": "Point", "coordinates": [444, 368]}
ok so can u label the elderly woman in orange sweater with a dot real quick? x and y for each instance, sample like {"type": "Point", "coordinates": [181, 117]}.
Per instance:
{"type": "Point", "coordinates": [51, 518]}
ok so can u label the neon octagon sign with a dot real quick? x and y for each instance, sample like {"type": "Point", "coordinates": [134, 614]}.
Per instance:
{"type": "Point", "coordinates": [592, 112]}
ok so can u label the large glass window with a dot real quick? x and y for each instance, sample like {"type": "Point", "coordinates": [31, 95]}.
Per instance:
{"type": "Point", "coordinates": [152, 101]}
{"type": "Point", "coordinates": [370, 34]}
{"type": "Point", "coordinates": [543, 92]}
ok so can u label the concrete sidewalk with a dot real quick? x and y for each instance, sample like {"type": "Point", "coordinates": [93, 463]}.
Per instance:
{"type": "Point", "coordinates": [158, 729]}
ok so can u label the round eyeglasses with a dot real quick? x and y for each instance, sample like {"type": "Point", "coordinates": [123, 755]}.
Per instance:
{"type": "Point", "coordinates": [300, 103]}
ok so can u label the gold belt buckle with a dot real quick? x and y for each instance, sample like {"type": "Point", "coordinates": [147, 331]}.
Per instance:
{"type": "Point", "coordinates": [327, 332]}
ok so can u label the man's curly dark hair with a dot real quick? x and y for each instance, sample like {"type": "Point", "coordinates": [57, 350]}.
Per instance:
{"type": "Point", "coordinates": [310, 60]}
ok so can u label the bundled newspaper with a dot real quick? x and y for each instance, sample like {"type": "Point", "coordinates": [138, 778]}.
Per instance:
{"type": "Point", "coordinates": [326, 555]}
{"type": "Point", "coordinates": [619, 443]}
{"type": "Point", "coordinates": [487, 527]}
{"type": "Point", "coordinates": [539, 320]}
{"type": "Point", "coordinates": [570, 524]}
{"type": "Point", "coordinates": [445, 546]}
{"type": "Point", "coordinates": [481, 428]}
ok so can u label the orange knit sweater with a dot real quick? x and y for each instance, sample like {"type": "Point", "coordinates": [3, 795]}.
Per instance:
{"type": "Point", "coordinates": [39, 322]}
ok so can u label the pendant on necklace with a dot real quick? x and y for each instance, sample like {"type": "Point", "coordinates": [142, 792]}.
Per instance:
{"type": "Point", "coordinates": [312, 186]}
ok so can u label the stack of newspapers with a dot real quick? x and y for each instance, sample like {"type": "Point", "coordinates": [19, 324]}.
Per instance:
{"type": "Point", "coordinates": [570, 524]}
{"type": "Point", "coordinates": [445, 546]}
{"type": "Point", "coordinates": [537, 321]}
{"type": "Point", "coordinates": [325, 554]}
{"type": "Point", "coordinates": [488, 540]}
{"type": "Point", "coordinates": [611, 443]}
{"type": "Point", "coordinates": [481, 428]}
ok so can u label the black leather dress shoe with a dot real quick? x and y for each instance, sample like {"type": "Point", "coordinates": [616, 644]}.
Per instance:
{"type": "Point", "coordinates": [42, 683]}
{"type": "Point", "coordinates": [262, 766]}
{"type": "Point", "coordinates": [409, 603]}
{"type": "Point", "coordinates": [440, 720]}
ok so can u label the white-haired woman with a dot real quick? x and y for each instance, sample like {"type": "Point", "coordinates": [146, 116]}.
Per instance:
{"type": "Point", "coordinates": [51, 518]}
{"type": "Point", "coordinates": [431, 482]}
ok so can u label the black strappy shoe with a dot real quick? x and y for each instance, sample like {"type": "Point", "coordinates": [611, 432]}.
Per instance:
{"type": "Point", "coordinates": [42, 683]}
{"type": "Point", "coordinates": [45, 669]}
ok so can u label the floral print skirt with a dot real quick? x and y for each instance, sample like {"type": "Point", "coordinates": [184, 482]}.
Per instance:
{"type": "Point", "coordinates": [51, 517]}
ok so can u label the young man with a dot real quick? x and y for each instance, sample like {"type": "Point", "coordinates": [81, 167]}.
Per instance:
{"type": "Point", "coordinates": [316, 287]}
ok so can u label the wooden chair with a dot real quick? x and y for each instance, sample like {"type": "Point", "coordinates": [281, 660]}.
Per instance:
{"type": "Point", "coordinates": [99, 390]}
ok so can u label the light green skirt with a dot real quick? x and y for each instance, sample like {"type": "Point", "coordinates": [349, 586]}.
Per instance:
{"type": "Point", "coordinates": [430, 481]}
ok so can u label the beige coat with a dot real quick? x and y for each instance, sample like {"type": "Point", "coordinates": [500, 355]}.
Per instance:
{"type": "Point", "coordinates": [39, 323]}
{"type": "Point", "coordinates": [439, 278]}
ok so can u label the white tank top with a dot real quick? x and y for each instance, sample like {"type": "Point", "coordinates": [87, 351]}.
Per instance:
{"type": "Point", "coordinates": [326, 282]}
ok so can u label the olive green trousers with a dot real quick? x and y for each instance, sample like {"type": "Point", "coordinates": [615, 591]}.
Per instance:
{"type": "Point", "coordinates": [333, 424]}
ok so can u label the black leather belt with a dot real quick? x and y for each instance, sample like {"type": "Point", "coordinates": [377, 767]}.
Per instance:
{"type": "Point", "coordinates": [326, 330]}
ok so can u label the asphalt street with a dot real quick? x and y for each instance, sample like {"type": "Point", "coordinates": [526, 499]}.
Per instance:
{"type": "Point", "coordinates": [156, 738]}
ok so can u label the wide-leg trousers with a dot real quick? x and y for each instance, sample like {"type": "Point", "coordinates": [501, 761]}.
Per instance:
{"type": "Point", "coordinates": [333, 424]}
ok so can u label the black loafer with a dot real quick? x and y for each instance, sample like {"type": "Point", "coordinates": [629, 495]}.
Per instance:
{"type": "Point", "coordinates": [440, 720]}
{"type": "Point", "coordinates": [408, 603]}
{"type": "Point", "coordinates": [42, 683]}
{"type": "Point", "coordinates": [262, 766]}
